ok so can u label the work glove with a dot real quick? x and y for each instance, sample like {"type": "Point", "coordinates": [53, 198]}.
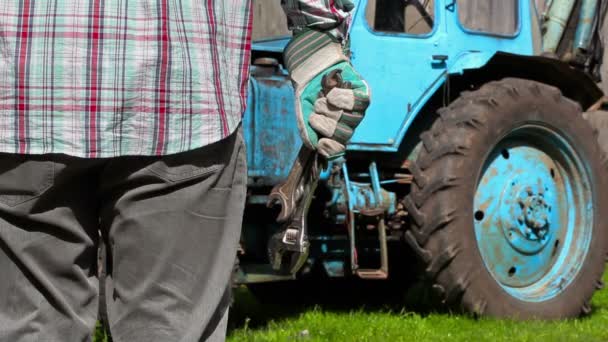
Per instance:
{"type": "Point", "coordinates": [330, 96]}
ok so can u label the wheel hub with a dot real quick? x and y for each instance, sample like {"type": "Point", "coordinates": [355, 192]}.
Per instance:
{"type": "Point", "coordinates": [526, 220]}
{"type": "Point", "coordinates": [536, 217]}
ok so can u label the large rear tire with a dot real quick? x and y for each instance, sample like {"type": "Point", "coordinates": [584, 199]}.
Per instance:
{"type": "Point", "coordinates": [506, 202]}
{"type": "Point", "coordinates": [599, 122]}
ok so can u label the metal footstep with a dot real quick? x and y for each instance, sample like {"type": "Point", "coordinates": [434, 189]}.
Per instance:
{"type": "Point", "coordinates": [382, 272]}
{"type": "Point", "coordinates": [370, 211]}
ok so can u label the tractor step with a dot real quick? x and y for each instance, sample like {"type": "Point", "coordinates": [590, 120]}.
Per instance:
{"type": "Point", "coordinates": [372, 274]}
{"type": "Point", "coordinates": [382, 272]}
{"type": "Point", "coordinates": [377, 196]}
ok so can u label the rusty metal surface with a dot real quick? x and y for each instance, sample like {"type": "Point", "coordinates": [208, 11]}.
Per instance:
{"type": "Point", "coordinates": [270, 127]}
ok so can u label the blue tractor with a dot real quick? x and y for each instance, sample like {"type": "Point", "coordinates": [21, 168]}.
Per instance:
{"type": "Point", "coordinates": [475, 156]}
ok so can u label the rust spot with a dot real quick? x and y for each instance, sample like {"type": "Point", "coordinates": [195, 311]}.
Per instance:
{"type": "Point", "coordinates": [492, 172]}
{"type": "Point", "coordinates": [484, 206]}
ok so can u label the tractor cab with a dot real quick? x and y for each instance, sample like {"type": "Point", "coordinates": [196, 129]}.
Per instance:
{"type": "Point", "coordinates": [443, 37]}
{"type": "Point", "coordinates": [406, 50]}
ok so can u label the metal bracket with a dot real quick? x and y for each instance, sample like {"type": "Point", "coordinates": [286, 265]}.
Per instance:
{"type": "Point", "coordinates": [382, 272]}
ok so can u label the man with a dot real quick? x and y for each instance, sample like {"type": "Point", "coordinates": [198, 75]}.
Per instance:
{"type": "Point", "coordinates": [123, 116]}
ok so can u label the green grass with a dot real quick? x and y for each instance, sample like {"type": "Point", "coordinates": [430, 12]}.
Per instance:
{"type": "Point", "coordinates": [345, 314]}
{"type": "Point", "coordinates": [99, 335]}
{"type": "Point", "coordinates": [251, 321]}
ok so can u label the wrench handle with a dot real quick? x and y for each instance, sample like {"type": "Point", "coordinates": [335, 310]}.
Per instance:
{"type": "Point", "coordinates": [289, 193]}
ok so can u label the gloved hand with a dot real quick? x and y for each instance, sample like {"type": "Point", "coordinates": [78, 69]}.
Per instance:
{"type": "Point", "coordinates": [326, 117]}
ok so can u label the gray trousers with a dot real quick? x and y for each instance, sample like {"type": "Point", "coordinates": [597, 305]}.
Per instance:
{"type": "Point", "coordinates": [171, 224]}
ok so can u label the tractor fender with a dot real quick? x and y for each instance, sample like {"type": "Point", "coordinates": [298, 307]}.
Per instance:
{"type": "Point", "coordinates": [572, 82]}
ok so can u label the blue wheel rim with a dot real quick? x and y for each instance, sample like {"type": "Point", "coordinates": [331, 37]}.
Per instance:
{"type": "Point", "coordinates": [533, 213]}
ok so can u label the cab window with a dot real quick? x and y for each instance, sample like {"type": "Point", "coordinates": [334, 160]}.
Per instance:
{"type": "Point", "coordinates": [416, 17]}
{"type": "Point", "coordinates": [500, 17]}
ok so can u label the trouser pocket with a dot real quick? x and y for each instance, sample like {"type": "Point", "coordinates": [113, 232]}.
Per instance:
{"type": "Point", "coordinates": [207, 161]}
{"type": "Point", "coordinates": [23, 178]}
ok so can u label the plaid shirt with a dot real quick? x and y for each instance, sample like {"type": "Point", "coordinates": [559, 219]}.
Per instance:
{"type": "Point", "coordinates": [106, 78]}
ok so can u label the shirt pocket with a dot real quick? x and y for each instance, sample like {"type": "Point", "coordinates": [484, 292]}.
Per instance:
{"type": "Point", "coordinates": [23, 179]}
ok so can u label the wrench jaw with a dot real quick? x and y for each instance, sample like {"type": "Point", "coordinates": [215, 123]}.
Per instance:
{"type": "Point", "coordinates": [288, 251]}
{"type": "Point", "coordinates": [289, 194]}
{"type": "Point", "coordinates": [278, 198]}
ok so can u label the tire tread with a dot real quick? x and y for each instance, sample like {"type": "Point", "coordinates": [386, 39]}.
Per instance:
{"type": "Point", "coordinates": [445, 143]}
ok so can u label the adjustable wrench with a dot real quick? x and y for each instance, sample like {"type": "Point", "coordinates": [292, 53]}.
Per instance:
{"type": "Point", "coordinates": [288, 249]}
